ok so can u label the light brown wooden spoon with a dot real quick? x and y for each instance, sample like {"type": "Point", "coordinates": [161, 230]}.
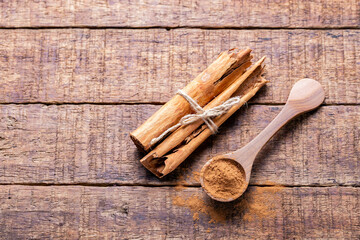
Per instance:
{"type": "Point", "coordinates": [305, 95]}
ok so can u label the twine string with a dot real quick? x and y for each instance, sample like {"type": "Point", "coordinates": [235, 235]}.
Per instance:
{"type": "Point", "coordinates": [200, 113]}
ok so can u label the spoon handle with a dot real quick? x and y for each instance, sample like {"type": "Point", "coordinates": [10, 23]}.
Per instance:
{"type": "Point", "coordinates": [285, 115]}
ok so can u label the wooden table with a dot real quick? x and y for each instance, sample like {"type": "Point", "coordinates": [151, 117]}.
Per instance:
{"type": "Point", "coordinates": [78, 76]}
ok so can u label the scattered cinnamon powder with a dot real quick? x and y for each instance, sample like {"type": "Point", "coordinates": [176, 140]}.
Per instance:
{"type": "Point", "coordinates": [261, 204]}
{"type": "Point", "coordinates": [196, 216]}
{"type": "Point", "coordinates": [224, 179]}
{"type": "Point", "coordinates": [257, 203]}
{"type": "Point", "coordinates": [198, 205]}
{"type": "Point", "coordinates": [196, 176]}
{"type": "Point", "coordinates": [180, 187]}
{"type": "Point", "coordinates": [180, 184]}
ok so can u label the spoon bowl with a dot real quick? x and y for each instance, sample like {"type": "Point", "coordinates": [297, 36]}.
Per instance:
{"type": "Point", "coordinates": [306, 94]}
{"type": "Point", "coordinates": [218, 196]}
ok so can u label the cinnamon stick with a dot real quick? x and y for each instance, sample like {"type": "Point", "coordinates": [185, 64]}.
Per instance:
{"type": "Point", "coordinates": [202, 89]}
{"type": "Point", "coordinates": [161, 162]}
{"type": "Point", "coordinates": [183, 132]}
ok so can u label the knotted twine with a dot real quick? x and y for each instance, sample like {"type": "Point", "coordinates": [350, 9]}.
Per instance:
{"type": "Point", "coordinates": [202, 114]}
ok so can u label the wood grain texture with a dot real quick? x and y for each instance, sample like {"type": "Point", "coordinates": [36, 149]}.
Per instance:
{"type": "Point", "coordinates": [197, 13]}
{"type": "Point", "coordinates": [58, 212]}
{"type": "Point", "coordinates": [114, 66]}
{"type": "Point", "coordinates": [89, 144]}
{"type": "Point", "coordinates": [70, 144]}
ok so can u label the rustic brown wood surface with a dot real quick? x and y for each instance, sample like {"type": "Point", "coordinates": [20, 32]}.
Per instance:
{"type": "Point", "coordinates": [116, 66]}
{"type": "Point", "coordinates": [197, 13]}
{"type": "Point", "coordinates": [70, 144]}
{"type": "Point", "coordinates": [76, 77]}
{"type": "Point", "coordinates": [64, 212]}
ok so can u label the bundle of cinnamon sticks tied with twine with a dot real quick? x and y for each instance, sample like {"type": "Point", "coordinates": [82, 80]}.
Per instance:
{"type": "Point", "coordinates": [172, 133]}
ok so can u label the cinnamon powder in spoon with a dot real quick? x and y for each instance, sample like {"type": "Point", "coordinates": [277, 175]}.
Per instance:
{"type": "Point", "coordinates": [224, 179]}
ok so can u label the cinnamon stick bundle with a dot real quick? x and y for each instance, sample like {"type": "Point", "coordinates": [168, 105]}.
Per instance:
{"type": "Point", "coordinates": [181, 143]}
{"type": "Point", "coordinates": [207, 85]}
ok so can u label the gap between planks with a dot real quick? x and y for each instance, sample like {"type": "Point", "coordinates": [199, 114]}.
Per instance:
{"type": "Point", "coordinates": [151, 103]}
{"type": "Point", "coordinates": [174, 185]}
{"type": "Point", "coordinates": [184, 27]}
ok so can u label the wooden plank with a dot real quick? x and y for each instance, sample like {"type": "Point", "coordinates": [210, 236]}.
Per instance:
{"type": "Point", "coordinates": [68, 144]}
{"type": "Point", "coordinates": [58, 212]}
{"type": "Point", "coordinates": [112, 66]}
{"type": "Point", "coordinates": [198, 13]}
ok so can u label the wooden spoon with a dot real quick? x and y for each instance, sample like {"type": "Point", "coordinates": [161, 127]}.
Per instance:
{"type": "Point", "coordinates": [305, 95]}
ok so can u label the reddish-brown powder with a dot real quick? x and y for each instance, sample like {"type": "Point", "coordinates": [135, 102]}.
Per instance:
{"type": "Point", "coordinates": [179, 187]}
{"type": "Point", "coordinates": [197, 205]}
{"type": "Point", "coordinates": [224, 179]}
{"type": "Point", "coordinates": [257, 203]}
{"type": "Point", "coordinates": [196, 176]}
{"type": "Point", "coordinates": [180, 184]}
{"type": "Point", "coordinates": [261, 203]}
